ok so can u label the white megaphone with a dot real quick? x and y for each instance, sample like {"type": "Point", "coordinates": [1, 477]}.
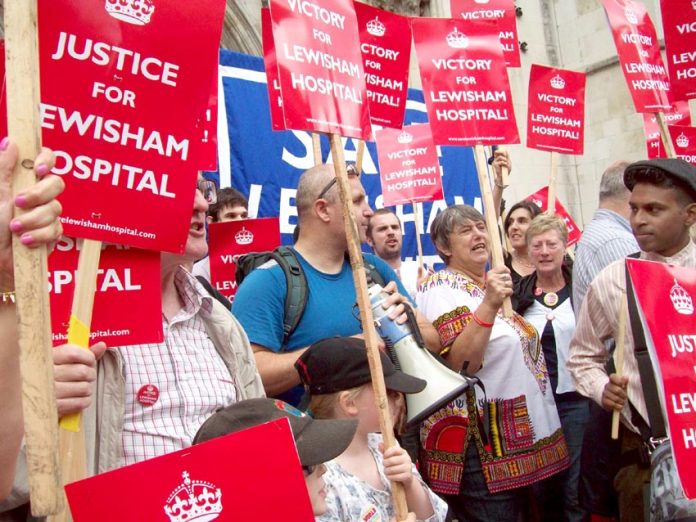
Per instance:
{"type": "Point", "coordinates": [407, 347]}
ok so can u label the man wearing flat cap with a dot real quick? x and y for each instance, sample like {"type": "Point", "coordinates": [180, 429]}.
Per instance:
{"type": "Point", "coordinates": [663, 208]}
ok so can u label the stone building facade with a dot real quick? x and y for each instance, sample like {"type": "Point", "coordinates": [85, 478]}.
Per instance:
{"type": "Point", "coordinates": [572, 34]}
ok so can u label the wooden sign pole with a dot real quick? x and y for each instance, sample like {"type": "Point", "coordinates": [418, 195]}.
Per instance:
{"type": "Point", "coordinates": [360, 154]}
{"type": "Point", "coordinates": [73, 453]}
{"type": "Point", "coordinates": [551, 202]}
{"type": "Point", "coordinates": [419, 245]}
{"type": "Point", "coordinates": [619, 358]}
{"type": "Point", "coordinates": [664, 133]}
{"type": "Point", "coordinates": [31, 268]}
{"type": "Point", "coordinates": [504, 173]}
{"type": "Point", "coordinates": [316, 148]}
{"type": "Point", "coordinates": [366, 317]}
{"type": "Point", "coordinates": [491, 218]}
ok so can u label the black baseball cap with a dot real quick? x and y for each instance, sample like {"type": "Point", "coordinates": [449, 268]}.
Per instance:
{"type": "Point", "coordinates": [317, 441]}
{"type": "Point", "coordinates": [340, 363]}
{"type": "Point", "coordinates": [677, 169]}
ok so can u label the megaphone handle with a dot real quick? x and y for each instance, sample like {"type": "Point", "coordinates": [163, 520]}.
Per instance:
{"type": "Point", "coordinates": [415, 331]}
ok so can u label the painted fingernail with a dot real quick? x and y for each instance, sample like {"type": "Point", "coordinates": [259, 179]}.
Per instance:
{"type": "Point", "coordinates": [26, 239]}
{"type": "Point", "coordinates": [20, 201]}
{"type": "Point", "coordinates": [15, 225]}
{"type": "Point", "coordinates": [4, 143]}
{"type": "Point", "coordinates": [42, 169]}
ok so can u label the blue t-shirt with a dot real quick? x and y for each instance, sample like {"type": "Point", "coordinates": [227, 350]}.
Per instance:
{"type": "Point", "coordinates": [259, 305]}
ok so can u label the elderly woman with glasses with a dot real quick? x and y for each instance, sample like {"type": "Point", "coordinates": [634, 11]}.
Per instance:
{"type": "Point", "coordinates": [482, 450]}
{"type": "Point", "coordinates": [544, 299]}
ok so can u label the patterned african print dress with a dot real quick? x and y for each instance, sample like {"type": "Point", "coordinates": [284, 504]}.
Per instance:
{"type": "Point", "coordinates": [514, 424]}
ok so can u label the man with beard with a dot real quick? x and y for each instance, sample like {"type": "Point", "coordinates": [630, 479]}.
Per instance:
{"type": "Point", "coordinates": [385, 237]}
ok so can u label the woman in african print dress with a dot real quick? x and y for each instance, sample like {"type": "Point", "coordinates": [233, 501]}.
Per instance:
{"type": "Point", "coordinates": [482, 450]}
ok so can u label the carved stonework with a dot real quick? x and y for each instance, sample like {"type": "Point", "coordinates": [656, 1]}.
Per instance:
{"type": "Point", "coordinates": [404, 7]}
{"type": "Point", "coordinates": [242, 29]}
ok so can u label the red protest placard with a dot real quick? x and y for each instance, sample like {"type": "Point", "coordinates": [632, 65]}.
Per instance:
{"type": "Point", "coordinates": [639, 54]}
{"type": "Point", "coordinates": [556, 117]}
{"type": "Point", "coordinates": [503, 12]}
{"type": "Point", "coordinates": [666, 308]}
{"type": "Point", "coordinates": [227, 240]}
{"type": "Point", "coordinates": [465, 82]}
{"type": "Point", "coordinates": [541, 200]}
{"type": "Point", "coordinates": [679, 114]}
{"type": "Point", "coordinates": [684, 141]}
{"type": "Point", "coordinates": [126, 276]}
{"type": "Point", "coordinates": [385, 45]}
{"type": "Point", "coordinates": [320, 66]}
{"type": "Point", "coordinates": [124, 87]}
{"type": "Point", "coordinates": [270, 63]}
{"type": "Point", "coordinates": [219, 479]}
{"type": "Point", "coordinates": [679, 24]}
{"type": "Point", "coordinates": [408, 165]}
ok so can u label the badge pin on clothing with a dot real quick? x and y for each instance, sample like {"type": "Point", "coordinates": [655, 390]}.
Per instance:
{"type": "Point", "coordinates": [148, 395]}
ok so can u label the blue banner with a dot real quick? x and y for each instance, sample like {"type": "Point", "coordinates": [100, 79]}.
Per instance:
{"type": "Point", "coordinates": [266, 165]}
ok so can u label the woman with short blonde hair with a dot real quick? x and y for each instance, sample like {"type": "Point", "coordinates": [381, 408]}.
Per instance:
{"type": "Point", "coordinates": [544, 299]}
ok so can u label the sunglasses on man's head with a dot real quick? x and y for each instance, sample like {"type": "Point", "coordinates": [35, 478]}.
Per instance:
{"type": "Point", "coordinates": [351, 169]}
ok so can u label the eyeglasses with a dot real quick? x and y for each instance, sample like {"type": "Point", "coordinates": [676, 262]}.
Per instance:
{"type": "Point", "coordinates": [209, 190]}
{"type": "Point", "coordinates": [351, 169]}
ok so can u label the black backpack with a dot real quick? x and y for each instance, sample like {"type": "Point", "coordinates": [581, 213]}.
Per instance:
{"type": "Point", "coordinates": [296, 280]}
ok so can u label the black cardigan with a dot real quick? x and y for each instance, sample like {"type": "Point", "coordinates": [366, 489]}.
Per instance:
{"type": "Point", "coordinates": [523, 296]}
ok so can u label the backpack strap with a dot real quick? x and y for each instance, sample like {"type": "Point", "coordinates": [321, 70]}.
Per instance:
{"type": "Point", "coordinates": [647, 376]}
{"type": "Point", "coordinates": [372, 273]}
{"type": "Point", "coordinates": [297, 290]}
{"type": "Point", "coordinates": [214, 293]}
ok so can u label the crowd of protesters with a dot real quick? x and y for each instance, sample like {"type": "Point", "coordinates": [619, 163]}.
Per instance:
{"type": "Point", "coordinates": [514, 447]}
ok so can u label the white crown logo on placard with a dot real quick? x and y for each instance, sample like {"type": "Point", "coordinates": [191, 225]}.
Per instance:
{"type": "Point", "coordinates": [486, 1]}
{"type": "Point", "coordinates": [377, 28]}
{"type": "Point", "coordinates": [681, 299]}
{"type": "Point", "coordinates": [557, 82]}
{"type": "Point", "coordinates": [682, 141]}
{"type": "Point", "coordinates": [631, 16]}
{"type": "Point", "coordinates": [194, 501]}
{"type": "Point", "coordinates": [457, 39]}
{"type": "Point", "coordinates": [244, 237]}
{"type": "Point", "coordinates": [136, 12]}
{"type": "Point", "coordinates": [405, 137]}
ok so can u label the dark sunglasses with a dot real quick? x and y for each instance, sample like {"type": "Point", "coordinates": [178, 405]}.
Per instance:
{"type": "Point", "coordinates": [351, 169]}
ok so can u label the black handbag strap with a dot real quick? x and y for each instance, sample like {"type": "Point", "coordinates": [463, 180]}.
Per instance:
{"type": "Point", "coordinates": [647, 376]}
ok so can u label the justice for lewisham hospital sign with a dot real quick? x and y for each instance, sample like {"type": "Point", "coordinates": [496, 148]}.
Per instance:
{"type": "Point", "coordinates": [666, 308]}
{"type": "Point", "coordinates": [111, 71]}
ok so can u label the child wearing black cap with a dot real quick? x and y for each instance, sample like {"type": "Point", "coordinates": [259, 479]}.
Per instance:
{"type": "Point", "coordinates": [317, 440]}
{"type": "Point", "coordinates": [337, 375]}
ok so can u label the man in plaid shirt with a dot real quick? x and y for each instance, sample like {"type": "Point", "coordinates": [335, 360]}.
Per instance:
{"type": "Point", "coordinates": [151, 399]}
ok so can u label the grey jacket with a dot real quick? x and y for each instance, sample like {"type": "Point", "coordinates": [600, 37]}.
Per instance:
{"type": "Point", "coordinates": [103, 420]}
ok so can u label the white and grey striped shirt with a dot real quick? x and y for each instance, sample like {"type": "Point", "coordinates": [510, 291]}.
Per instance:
{"type": "Point", "coordinates": [608, 237]}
